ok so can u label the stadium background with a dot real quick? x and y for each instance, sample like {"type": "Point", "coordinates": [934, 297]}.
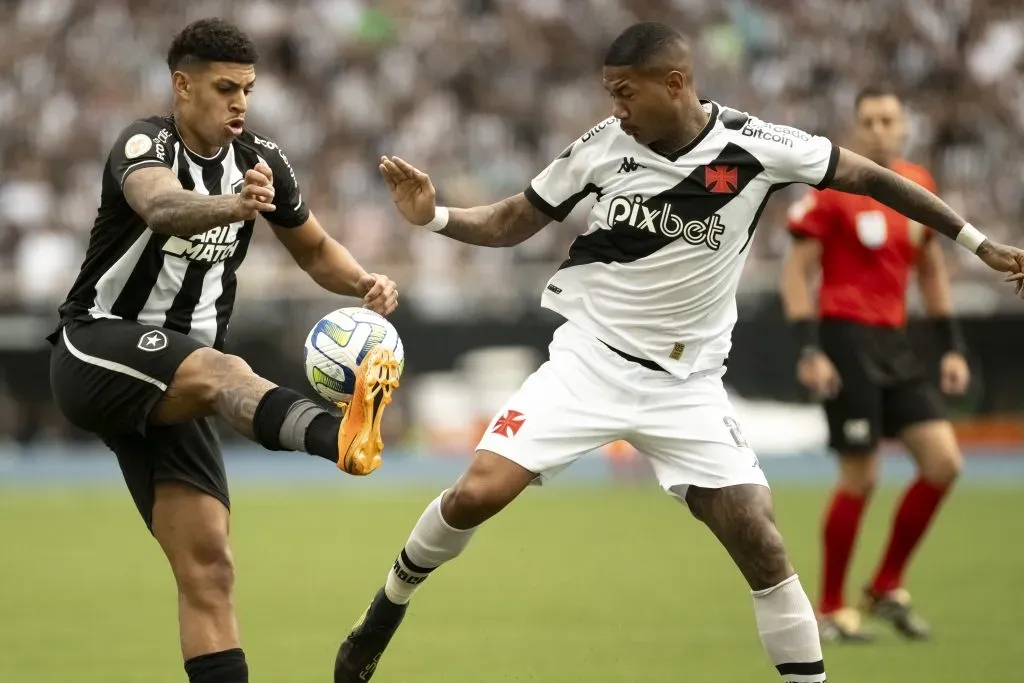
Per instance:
{"type": "Point", "coordinates": [481, 94]}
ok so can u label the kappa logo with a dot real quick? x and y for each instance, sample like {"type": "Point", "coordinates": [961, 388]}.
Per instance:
{"type": "Point", "coordinates": [154, 340]}
{"type": "Point", "coordinates": [629, 165]}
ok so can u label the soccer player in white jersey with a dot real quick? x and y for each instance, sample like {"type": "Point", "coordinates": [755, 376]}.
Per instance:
{"type": "Point", "coordinates": [648, 294]}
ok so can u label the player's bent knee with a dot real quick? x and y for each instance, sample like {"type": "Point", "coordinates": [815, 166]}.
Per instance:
{"type": "Point", "coordinates": [205, 374]}
{"type": "Point", "coordinates": [490, 483]}
{"type": "Point", "coordinates": [471, 502]}
{"type": "Point", "coordinates": [206, 574]}
{"type": "Point", "coordinates": [943, 467]}
{"type": "Point", "coordinates": [768, 563]}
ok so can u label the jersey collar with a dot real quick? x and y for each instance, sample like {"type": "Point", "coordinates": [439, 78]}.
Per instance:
{"type": "Point", "coordinates": [197, 158]}
{"type": "Point", "coordinates": [688, 147]}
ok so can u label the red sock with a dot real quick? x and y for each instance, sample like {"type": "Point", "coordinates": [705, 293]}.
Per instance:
{"type": "Point", "coordinates": [839, 535]}
{"type": "Point", "coordinates": [915, 512]}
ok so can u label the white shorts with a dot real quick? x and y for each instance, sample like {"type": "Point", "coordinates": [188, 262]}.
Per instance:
{"type": "Point", "coordinates": [587, 396]}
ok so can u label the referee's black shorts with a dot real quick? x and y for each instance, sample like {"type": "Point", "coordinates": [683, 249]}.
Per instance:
{"type": "Point", "coordinates": [885, 388]}
{"type": "Point", "coordinates": [106, 377]}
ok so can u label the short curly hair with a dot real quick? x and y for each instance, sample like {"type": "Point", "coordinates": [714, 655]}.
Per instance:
{"type": "Point", "coordinates": [210, 40]}
{"type": "Point", "coordinates": [641, 43]}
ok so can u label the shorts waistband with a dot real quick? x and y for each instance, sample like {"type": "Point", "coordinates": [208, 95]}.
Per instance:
{"type": "Point", "coordinates": [649, 364]}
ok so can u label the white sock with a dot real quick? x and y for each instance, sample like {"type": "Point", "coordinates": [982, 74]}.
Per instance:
{"type": "Point", "coordinates": [789, 631]}
{"type": "Point", "coordinates": [432, 543]}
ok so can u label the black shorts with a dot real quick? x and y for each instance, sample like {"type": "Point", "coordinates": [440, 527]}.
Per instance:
{"type": "Point", "coordinates": [106, 377]}
{"type": "Point", "coordinates": [885, 388]}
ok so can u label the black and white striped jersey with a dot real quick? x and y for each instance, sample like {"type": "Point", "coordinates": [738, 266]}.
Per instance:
{"type": "Point", "coordinates": [186, 285]}
{"type": "Point", "coordinates": [655, 275]}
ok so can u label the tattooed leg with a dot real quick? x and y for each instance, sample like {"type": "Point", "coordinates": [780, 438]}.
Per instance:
{"type": "Point", "coordinates": [209, 382]}
{"type": "Point", "coordinates": [743, 520]}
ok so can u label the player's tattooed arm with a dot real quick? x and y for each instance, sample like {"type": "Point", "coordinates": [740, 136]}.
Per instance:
{"type": "Point", "coordinates": [169, 209]}
{"type": "Point", "coordinates": [857, 175]}
{"type": "Point", "coordinates": [505, 224]}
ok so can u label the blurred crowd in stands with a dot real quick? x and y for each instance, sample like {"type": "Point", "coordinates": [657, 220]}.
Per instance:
{"type": "Point", "coordinates": [480, 94]}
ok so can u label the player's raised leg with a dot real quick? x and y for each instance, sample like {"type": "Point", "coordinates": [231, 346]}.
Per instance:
{"type": "Point", "coordinates": [192, 529]}
{"type": "Point", "coordinates": [210, 382]}
{"type": "Point", "coordinates": [441, 534]}
{"type": "Point", "coordinates": [934, 448]}
{"type": "Point", "coordinates": [742, 518]}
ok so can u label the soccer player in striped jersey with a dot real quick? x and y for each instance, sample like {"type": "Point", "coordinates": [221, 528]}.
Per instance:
{"type": "Point", "coordinates": [138, 354]}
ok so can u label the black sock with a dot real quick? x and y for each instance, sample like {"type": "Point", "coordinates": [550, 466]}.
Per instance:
{"type": "Point", "coordinates": [322, 436]}
{"type": "Point", "coordinates": [218, 667]}
{"type": "Point", "coordinates": [285, 420]}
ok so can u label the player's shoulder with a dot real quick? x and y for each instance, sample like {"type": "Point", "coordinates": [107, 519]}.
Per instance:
{"type": "Point", "coordinates": [601, 131]}
{"type": "Point", "coordinates": [757, 133]}
{"type": "Point", "coordinates": [258, 142]}
{"type": "Point", "coordinates": [146, 132]}
{"type": "Point", "coordinates": [154, 127]}
{"type": "Point", "coordinates": [594, 141]}
{"type": "Point", "coordinates": [144, 140]}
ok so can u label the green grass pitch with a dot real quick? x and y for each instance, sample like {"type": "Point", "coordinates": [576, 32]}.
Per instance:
{"type": "Point", "coordinates": [567, 585]}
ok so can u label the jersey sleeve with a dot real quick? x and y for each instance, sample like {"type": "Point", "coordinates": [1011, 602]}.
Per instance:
{"type": "Point", "coordinates": [291, 209]}
{"type": "Point", "coordinates": [790, 155]}
{"type": "Point", "coordinates": [811, 216]}
{"type": "Point", "coordinates": [566, 181]}
{"type": "Point", "coordinates": [143, 144]}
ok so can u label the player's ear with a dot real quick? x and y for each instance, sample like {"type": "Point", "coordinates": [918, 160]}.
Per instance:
{"type": "Point", "coordinates": [182, 84]}
{"type": "Point", "coordinates": [676, 83]}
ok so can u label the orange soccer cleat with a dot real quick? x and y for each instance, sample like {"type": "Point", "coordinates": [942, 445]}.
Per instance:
{"type": "Point", "coordinates": [359, 440]}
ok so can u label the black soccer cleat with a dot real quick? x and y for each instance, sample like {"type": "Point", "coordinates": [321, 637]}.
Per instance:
{"type": "Point", "coordinates": [360, 652]}
{"type": "Point", "coordinates": [895, 607]}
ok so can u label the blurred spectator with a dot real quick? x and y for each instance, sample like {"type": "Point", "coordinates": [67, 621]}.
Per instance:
{"type": "Point", "coordinates": [482, 93]}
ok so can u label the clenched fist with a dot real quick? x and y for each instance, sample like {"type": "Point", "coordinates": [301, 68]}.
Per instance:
{"type": "Point", "coordinates": [257, 195]}
{"type": "Point", "coordinates": [380, 293]}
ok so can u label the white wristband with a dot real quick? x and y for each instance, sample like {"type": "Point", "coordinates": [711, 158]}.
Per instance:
{"type": "Point", "coordinates": [440, 219]}
{"type": "Point", "coordinates": [970, 237]}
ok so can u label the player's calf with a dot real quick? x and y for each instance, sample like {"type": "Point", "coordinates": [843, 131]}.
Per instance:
{"type": "Point", "coordinates": [742, 518]}
{"type": "Point", "coordinates": [192, 529]}
{"type": "Point", "coordinates": [442, 532]}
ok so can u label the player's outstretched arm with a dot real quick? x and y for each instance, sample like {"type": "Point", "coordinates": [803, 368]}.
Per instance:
{"type": "Point", "coordinates": [333, 267]}
{"type": "Point", "coordinates": [504, 224]}
{"type": "Point", "coordinates": [156, 195]}
{"type": "Point", "coordinates": [857, 175]}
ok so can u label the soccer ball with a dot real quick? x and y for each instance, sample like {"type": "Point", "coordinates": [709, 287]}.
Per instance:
{"type": "Point", "coordinates": [339, 342]}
